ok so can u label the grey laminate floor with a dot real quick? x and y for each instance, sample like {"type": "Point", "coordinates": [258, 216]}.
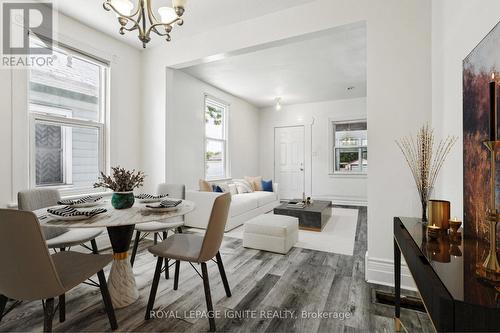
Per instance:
{"type": "Point", "coordinates": [303, 280]}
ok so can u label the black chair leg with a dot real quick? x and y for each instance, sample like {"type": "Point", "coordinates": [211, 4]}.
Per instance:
{"type": "Point", "coordinates": [223, 274]}
{"type": "Point", "coordinates": [155, 237]}
{"type": "Point", "coordinates": [108, 305]}
{"type": "Point", "coordinates": [176, 274]}
{"type": "Point", "coordinates": [62, 308]}
{"type": "Point", "coordinates": [134, 250]}
{"type": "Point", "coordinates": [93, 244]}
{"type": "Point", "coordinates": [154, 288]}
{"type": "Point", "coordinates": [208, 296]}
{"type": "Point", "coordinates": [3, 304]}
{"type": "Point", "coordinates": [62, 301]}
{"type": "Point", "coordinates": [167, 261]}
{"type": "Point", "coordinates": [48, 315]}
{"type": "Point", "coordinates": [179, 230]}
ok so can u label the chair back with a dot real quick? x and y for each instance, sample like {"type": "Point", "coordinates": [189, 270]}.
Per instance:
{"type": "Point", "coordinates": [28, 272]}
{"type": "Point", "coordinates": [177, 191]}
{"type": "Point", "coordinates": [37, 198]}
{"type": "Point", "coordinates": [215, 229]}
{"type": "Point", "coordinates": [40, 198]}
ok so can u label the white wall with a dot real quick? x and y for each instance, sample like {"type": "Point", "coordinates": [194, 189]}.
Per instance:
{"type": "Point", "coordinates": [186, 129]}
{"type": "Point", "coordinates": [457, 27]}
{"type": "Point", "coordinates": [316, 119]}
{"type": "Point", "coordinates": [125, 107]}
{"type": "Point", "coordinates": [398, 93]}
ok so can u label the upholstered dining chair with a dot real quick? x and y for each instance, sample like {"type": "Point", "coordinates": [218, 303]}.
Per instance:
{"type": "Point", "coordinates": [195, 248]}
{"type": "Point", "coordinates": [57, 238]}
{"type": "Point", "coordinates": [160, 229]}
{"type": "Point", "coordinates": [30, 273]}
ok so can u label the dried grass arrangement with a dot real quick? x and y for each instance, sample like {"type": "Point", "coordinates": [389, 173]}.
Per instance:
{"type": "Point", "coordinates": [121, 180]}
{"type": "Point", "coordinates": [425, 157]}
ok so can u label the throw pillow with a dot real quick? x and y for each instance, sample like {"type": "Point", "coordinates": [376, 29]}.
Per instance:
{"type": "Point", "coordinates": [217, 188]}
{"type": "Point", "coordinates": [256, 182]}
{"type": "Point", "coordinates": [232, 189]}
{"type": "Point", "coordinates": [224, 187]}
{"type": "Point", "coordinates": [267, 186]}
{"type": "Point", "coordinates": [204, 186]}
{"type": "Point", "coordinates": [243, 188]}
{"type": "Point", "coordinates": [244, 183]}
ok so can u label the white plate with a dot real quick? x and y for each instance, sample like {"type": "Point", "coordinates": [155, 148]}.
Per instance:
{"type": "Point", "coordinates": [70, 218]}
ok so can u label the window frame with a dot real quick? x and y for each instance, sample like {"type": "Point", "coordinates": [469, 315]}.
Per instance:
{"type": "Point", "coordinates": [209, 99]}
{"type": "Point", "coordinates": [333, 148]}
{"type": "Point", "coordinates": [101, 124]}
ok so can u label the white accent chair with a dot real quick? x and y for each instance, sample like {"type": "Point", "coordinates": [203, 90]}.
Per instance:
{"type": "Point", "coordinates": [174, 191]}
{"type": "Point", "coordinates": [273, 233]}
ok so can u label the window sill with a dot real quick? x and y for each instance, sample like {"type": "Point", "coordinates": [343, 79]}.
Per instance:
{"type": "Point", "coordinates": [348, 175]}
{"type": "Point", "coordinates": [218, 180]}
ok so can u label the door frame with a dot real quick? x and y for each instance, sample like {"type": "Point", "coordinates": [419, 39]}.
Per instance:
{"type": "Point", "coordinates": [303, 152]}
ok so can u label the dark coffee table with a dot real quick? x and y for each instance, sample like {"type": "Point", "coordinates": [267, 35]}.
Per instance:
{"type": "Point", "coordinates": [312, 217]}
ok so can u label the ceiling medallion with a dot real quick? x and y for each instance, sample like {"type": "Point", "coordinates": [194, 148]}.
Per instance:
{"type": "Point", "coordinates": [143, 18]}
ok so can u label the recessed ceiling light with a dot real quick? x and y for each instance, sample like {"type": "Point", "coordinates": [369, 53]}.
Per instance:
{"type": "Point", "coordinates": [278, 103]}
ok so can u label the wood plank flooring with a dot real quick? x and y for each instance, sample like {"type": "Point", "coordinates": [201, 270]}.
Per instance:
{"type": "Point", "coordinates": [302, 280]}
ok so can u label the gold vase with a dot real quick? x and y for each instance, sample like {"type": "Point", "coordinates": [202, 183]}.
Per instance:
{"type": "Point", "coordinates": [439, 213]}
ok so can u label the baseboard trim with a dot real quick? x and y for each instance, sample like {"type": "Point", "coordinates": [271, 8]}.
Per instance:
{"type": "Point", "coordinates": [381, 271]}
{"type": "Point", "coordinates": [343, 200]}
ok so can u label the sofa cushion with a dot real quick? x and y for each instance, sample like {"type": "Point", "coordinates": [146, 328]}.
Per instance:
{"type": "Point", "coordinates": [204, 186]}
{"type": "Point", "coordinates": [255, 182]}
{"type": "Point", "coordinates": [242, 203]}
{"type": "Point", "coordinates": [263, 197]}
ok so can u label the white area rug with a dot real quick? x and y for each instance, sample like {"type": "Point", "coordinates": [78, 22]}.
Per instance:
{"type": "Point", "coordinates": [337, 236]}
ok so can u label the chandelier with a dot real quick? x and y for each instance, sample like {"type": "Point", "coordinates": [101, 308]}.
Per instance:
{"type": "Point", "coordinates": [143, 18]}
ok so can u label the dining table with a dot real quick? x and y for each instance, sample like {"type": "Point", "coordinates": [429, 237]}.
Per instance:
{"type": "Point", "coordinates": [120, 224]}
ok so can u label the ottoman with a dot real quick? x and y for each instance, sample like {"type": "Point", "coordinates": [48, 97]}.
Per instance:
{"type": "Point", "coordinates": [273, 233]}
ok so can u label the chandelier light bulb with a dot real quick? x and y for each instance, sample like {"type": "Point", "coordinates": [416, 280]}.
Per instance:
{"type": "Point", "coordinates": [167, 14]}
{"type": "Point", "coordinates": [178, 3]}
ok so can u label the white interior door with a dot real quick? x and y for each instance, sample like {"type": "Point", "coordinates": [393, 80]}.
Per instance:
{"type": "Point", "coordinates": [289, 161]}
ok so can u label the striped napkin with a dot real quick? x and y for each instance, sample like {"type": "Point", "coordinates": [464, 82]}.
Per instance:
{"type": "Point", "coordinates": [166, 204]}
{"type": "Point", "coordinates": [70, 211]}
{"type": "Point", "coordinates": [150, 196]}
{"type": "Point", "coordinates": [84, 200]}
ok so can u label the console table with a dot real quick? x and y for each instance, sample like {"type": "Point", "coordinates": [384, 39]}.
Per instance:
{"type": "Point", "coordinates": [444, 273]}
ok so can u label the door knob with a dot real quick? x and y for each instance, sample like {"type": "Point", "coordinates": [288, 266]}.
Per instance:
{"type": "Point", "coordinates": [301, 169]}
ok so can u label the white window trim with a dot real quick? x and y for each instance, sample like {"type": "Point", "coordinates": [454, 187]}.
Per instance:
{"type": "Point", "coordinates": [331, 150]}
{"type": "Point", "coordinates": [225, 140]}
{"type": "Point", "coordinates": [102, 124]}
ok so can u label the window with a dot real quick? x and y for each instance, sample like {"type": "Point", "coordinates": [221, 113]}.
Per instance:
{"type": "Point", "coordinates": [350, 147]}
{"type": "Point", "coordinates": [216, 157]}
{"type": "Point", "coordinates": [66, 104]}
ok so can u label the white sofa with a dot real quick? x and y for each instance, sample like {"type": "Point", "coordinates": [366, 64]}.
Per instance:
{"type": "Point", "coordinates": [243, 207]}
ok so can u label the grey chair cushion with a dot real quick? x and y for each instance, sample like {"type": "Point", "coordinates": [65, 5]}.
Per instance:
{"type": "Point", "coordinates": [74, 237]}
{"type": "Point", "coordinates": [157, 226]}
{"type": "Point", "coordinates": [185, 247]}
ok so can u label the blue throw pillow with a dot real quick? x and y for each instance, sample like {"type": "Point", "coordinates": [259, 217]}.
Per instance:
{"type": "Point", "coordinates": [267, 186]}
{"type": "Point", "coordinates": [217, 188]}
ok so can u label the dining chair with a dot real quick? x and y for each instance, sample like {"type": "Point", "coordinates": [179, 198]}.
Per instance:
{"type": "Point", "coordinates": [30, 273]}
{"type": "Point", "coordinates": [57, 238]}
{"type": "Point", "coordinates": [160, 229]}
{"type": "Point", "coordinates": [195, 248]}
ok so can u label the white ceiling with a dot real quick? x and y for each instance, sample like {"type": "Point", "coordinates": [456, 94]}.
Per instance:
{"type": "Point", "coordinates": [319, 67]}
{"type": "Point", "coordinates": [200, 15]}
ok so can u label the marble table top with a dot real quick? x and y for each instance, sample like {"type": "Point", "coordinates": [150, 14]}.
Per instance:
{"type": "Point", "coordinates": [115, 217]}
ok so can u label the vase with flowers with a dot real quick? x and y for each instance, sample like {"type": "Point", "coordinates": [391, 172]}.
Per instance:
{"type": "Point", "coordinates": [425, 157]}
{"type": "Point", "coordinates": [122, 182]}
